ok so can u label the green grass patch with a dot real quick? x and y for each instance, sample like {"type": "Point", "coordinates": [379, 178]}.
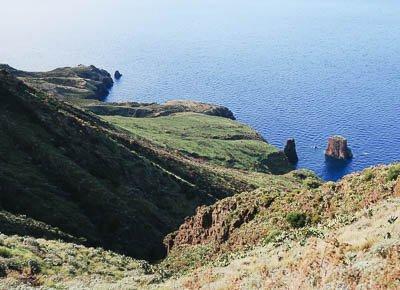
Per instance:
{"type": "Point", "coordinates": [5, 253]}
{"type": "Point", "coordinates": [217, 140]}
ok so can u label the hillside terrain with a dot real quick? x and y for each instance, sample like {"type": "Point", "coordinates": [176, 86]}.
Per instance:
{"type": "Point", "coordinates": [88, 190]}
{"type": "Point", "coordinates": [60, 166]}
{"type": "Point", "coordinates": [363, 254]}
{"type": "Point", "coordinates": [67, 168]}
{"type": "Point", "coordinates": [355, 244]}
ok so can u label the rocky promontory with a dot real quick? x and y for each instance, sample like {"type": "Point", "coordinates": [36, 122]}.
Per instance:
{"type": "Point", "coordinates": [80, 82]}
{"type": "Point", "coordinates": [141, 110]}
{"type": "Point", "coordinates": [338, 149]}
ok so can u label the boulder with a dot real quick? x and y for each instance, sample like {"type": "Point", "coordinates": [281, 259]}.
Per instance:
{"type": "Point", "coordinates": [117, 75]}
{"type": "Point", "coordinates": [338, 149]}
{"type": "Point", "coordinates": [290, 151]}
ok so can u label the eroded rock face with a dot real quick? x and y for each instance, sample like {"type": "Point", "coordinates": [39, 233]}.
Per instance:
{"type": "Point", "coordinates": [290, 151]}
{"type": "Point", "coordinates": [338, 149]}
{"type": "Point", "coordinates": [211, 224]}
{"type": "Point", "coordinates": [117, 75]}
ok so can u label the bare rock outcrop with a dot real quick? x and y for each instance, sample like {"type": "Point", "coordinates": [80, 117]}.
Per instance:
{"type": "Point", "coordinates": [290, 151]}
{"type": "Point", "coordinates": [217, 223]}
{"type": "Point", "coordinates": [338, 149]}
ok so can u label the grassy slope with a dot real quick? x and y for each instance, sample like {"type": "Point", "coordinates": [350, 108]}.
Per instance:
{"type": "Point", "coordinates": [11, 224]}
{"type": "Point", "coordinates": [39, 262]}
{"type": "Point", "coordinates": [211, 139]}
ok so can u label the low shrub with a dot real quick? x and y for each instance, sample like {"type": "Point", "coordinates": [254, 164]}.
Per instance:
{"type": "Point", "coordinates": [312, 184]}
{"type": "Point", "coordinates": [369, 175]}
{"type": "Point", "coordinates": [271, 237]}
{"type": "Point", "coordinates": [393, 172]}
{"type": "Point", "coordinates": [34, 267]}
{"type": "Point", "coordinates": [5, 253]}
{"type": "Point", "coordinates": [3, 270]}
{"type": "Point", "coordinates": [296, 219]}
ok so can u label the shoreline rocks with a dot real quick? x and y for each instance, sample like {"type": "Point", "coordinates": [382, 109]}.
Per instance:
{"type": "Point", "coordinates": [338, 149]}
{"type": "Point", "coordinates": [290, 151]}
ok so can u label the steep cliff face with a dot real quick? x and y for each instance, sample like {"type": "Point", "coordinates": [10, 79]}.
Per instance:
{"type": "Point", "coordinates": [338, 149]}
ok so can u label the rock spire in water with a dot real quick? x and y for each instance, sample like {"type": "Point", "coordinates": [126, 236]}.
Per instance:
{"type": "Point", "coordinates": [117, 75]}
{"type": "Point", "coordinates": [290, 151]}
{"type": "Point", "coordinates": [338, 149]}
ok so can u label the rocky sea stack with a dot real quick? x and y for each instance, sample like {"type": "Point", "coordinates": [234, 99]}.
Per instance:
{"type": "Point", "coordinates": [290, 151]}
{"type": "Point", "coordinates": [117, 75]}
{"type": "Point", "coordinates": [338, 149]}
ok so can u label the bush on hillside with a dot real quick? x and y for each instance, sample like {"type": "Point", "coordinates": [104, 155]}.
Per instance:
{"type": "Point", "coordinates": [393, 172]}
{"type": "Point", "coordinates": [369, 175]}
{"type": "Point", "coordinates": [296, 219]}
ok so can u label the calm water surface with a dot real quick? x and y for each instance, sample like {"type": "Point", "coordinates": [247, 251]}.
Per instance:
{"type": "Point", "coordinates": [289, 68]}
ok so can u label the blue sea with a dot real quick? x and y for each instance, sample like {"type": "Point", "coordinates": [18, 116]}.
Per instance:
{"type": "Point", "coordinates": [305, 69]}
